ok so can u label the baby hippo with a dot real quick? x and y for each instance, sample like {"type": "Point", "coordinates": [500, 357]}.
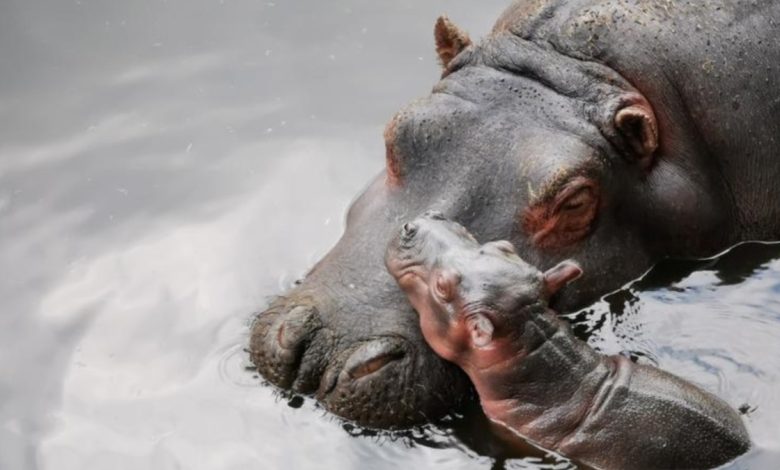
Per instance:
{"type": "Point", "coordinates": [486, 310]}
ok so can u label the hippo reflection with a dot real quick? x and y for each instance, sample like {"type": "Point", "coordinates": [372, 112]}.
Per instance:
{"type": "Point", "coordinates": [615, 133]}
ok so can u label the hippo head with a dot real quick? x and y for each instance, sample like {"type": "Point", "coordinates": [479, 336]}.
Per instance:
{"type": "Point", "coordinates": [516, 142]}
{"type": "Point", "coordinates": [473, 300]}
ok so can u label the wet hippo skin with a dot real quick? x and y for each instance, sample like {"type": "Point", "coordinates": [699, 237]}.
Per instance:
{"type": "Point", "coordinates": [617, 133]}
{"type": "Point", "coordinates": [486, 310]}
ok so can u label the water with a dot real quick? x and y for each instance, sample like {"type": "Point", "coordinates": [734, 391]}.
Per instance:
{"type": "Point", "coordinates": [167, 167]}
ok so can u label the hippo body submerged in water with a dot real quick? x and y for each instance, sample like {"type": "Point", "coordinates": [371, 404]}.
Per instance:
{"type": "Point", "coordinates": [601, 130]}
{"type": "Point", "coordinates": [484, 309]}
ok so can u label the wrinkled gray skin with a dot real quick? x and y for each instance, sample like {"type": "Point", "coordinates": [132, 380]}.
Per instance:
{"type": "Point", "coordinates": [485, 309]}
{"type": "Point", "coordinates": [514, 118]}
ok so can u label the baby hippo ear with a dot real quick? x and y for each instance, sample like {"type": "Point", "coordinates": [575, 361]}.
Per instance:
{"type": "Point", "coordinates": [480, 329]}
{"type": "Point", "coordinates": [450, 40]}
{"type": "Point", "coordinates": [559, 275]}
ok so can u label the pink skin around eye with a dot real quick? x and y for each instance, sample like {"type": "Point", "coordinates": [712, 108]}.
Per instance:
{"type": "Point", "coordinates": [566, 219]}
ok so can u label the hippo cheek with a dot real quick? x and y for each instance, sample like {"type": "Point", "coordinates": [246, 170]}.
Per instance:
{"type": "Point", "coordinates": [388, 380]}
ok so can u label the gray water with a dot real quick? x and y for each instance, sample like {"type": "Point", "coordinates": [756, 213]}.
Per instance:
{"type": "Point", "coordinates": [166, 167]}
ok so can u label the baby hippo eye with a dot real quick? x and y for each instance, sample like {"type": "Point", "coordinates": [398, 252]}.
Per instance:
{"type": "Point", "coordinates": [446, 285]}
{"type": "Point", "coordinates": [443, 289]}
{"type": "Point", "coordinates": [504, 246]}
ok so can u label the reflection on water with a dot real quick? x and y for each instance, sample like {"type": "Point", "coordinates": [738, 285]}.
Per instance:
{"type": "Point", "coordinates": [167, 166]}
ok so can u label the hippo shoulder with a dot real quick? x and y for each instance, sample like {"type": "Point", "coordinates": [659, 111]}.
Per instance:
{"type": "Point", "coordinates": [674, 423]}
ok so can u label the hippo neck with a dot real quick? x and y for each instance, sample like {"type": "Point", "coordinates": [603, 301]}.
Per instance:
{"type": "Point", "coordinates": [547, 382]}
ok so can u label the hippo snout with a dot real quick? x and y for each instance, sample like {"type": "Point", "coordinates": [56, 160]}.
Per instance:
{"type": "Point", "coordinates": [371, 379]}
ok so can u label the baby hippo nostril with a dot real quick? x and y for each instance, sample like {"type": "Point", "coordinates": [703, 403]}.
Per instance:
{"type": "Point", "coordinates": [408, 231]}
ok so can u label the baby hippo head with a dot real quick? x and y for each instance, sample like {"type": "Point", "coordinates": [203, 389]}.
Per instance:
{"type": "Point", "coordinates": [471, 298]}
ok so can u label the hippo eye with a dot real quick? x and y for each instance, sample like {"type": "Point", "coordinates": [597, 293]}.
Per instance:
{"type": "Point", "coordinates": [576, 209]}
{"type": "Point", "coordinates": [566, 218]}
{"type": "Point", "coordinates": [579, 200]}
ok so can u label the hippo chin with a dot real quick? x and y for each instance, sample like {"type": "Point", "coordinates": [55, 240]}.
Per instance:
{"type": "Point", "coordinates": [486, 310]}
{"type": "Point", "coordinates": [617, 133]}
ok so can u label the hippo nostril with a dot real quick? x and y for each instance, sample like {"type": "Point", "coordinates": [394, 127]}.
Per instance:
{"type": "Point", "coordinates": [281, 343]}
{"type": "Point", "coordinates": [299, 324]}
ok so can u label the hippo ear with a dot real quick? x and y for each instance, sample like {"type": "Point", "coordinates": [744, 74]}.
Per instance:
{"type": "Point", "coordinates": [450, 40]}
{"type": "Point", "coordinates": [637, 125]}
{"type": "Point", "coordinates": [559, 275]}
{"type": "Point", "coordinates": [480, 329]}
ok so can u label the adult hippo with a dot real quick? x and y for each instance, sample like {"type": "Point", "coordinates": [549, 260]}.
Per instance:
{"type": "Point", "coordinates": [484, 309]}
{"type": "Point", "coordinates": [613, 132]}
